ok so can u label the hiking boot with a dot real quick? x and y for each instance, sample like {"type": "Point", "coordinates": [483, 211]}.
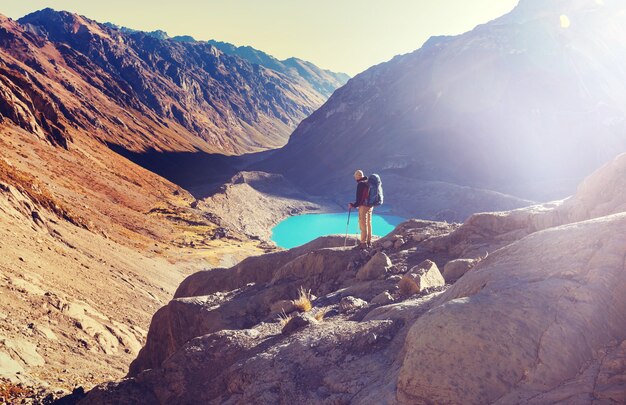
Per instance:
{"type": "Point", "coordinates": [360, 246]}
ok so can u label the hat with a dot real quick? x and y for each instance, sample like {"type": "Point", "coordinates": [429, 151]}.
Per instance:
{"type": "Point", "coordinates": [358, 174]}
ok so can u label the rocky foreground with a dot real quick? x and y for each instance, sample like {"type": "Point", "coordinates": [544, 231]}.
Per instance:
{"type": "Point", "coordinates": [524, 306]}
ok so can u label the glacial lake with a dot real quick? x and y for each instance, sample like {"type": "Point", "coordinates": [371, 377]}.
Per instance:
{"type": "Point", "coordinates": [298, 230]}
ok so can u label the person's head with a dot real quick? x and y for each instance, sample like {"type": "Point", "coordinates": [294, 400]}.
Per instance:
{"type": "Point", "coordinates": [358, 175]}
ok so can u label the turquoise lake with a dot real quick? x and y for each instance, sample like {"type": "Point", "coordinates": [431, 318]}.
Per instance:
{"type": "Point", "coordinates": [298, 230]}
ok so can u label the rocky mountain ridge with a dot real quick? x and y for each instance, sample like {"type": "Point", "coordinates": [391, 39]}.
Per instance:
{"type": "Point", "coordinates": [323, 80]}
{"type": "Point", "coordinates": [509, 307]}
{"type": "Point", "coordinates": [140, 92]}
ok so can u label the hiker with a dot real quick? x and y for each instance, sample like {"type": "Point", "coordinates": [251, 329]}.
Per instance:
{"type": "Point", "coordinates": [365, 211]}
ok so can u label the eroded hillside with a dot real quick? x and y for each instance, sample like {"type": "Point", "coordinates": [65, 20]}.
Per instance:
{"type": "Point", "coordinates": [88, 254]}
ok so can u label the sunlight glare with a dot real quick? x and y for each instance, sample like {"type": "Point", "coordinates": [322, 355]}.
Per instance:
{"type": "Point", "coordinates": [565, 22]}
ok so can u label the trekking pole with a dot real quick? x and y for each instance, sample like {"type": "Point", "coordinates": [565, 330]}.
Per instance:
{"type": "Point", "coordinates": [347, 226]}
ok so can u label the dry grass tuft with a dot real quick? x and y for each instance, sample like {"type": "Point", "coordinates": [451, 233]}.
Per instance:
{"type": "Point", "coordinates": [303, 302]}
{"type": "Point", "coordinates": [284, 318]}
{"type": "Point", "coordinates": [320, 314]}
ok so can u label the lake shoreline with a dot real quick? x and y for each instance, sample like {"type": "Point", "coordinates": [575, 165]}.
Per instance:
{"type": "Point", "coordinates": [299, 229]}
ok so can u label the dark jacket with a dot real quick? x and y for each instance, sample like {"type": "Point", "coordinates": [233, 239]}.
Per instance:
{"type": "Point", "coordinates": [362, 193]}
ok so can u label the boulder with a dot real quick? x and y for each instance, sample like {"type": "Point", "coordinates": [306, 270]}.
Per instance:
{"type": "Point", "coordinates": [529, 322]}
{"type": "Point", "coordinates": [424, 275]}
{"type": "Point", "coordinates": [603, 193]}
{"type": "Point", "coordinates": [317, 269]}
{"type": "Point", "coordinates": [350, 304]}
{"type": "Point", "coordinates": [455, 269]}
{"type": "Point", "coordinates": [383, 298]}
{"type": "Point", "coordinates": [375, 268]}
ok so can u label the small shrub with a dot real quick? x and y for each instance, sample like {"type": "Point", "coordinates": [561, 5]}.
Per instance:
{"type": "Point", "coordinates": [320, 314]}
{"type": "Point", "coordinates": [283, 318]}
{"type": "Point", "coordinates": [303, 302]}
{"type": "Point", "coordinates": [407, 287]}
{"type": "Point", "coordinates": [11, 393]}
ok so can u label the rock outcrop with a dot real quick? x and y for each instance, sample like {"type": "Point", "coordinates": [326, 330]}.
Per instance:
{"type": "Point", "coordinates": [540, 319]}
{"type": "Point", "coordinates": [242, 302]}
{"type": "Point", "coordinates": [526, 320]}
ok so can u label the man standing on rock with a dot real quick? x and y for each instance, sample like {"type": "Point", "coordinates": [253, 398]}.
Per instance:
{"type": "Point", "coordinates": [365, 211]}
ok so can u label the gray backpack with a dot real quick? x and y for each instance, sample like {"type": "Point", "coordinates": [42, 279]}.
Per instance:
{"type": "Point", "coordinates": [375, 197]}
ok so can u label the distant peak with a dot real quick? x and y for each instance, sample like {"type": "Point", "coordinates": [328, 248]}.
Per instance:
{"type": "Point", "coordinates": [50, 15]}
{"type": "Point", "coordinates": [184, 38]}
{"type": "Point", "coordinates": [159, 34]}
{"type": "Point", "coordinates": [49, 12]}
{"type": "Point", "coordinates": [538, 7]}
{"type": "Point", "coordinates": [57, 25]}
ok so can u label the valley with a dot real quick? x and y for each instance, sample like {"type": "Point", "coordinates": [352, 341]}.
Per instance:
{"type": "Point", "coordinates": [141, 176]}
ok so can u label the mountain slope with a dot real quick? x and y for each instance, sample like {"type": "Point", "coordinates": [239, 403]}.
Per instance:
{"type": "Point", "coordinates": [140, 92]}
{"type": "Point", "coordinates": [520, 105]}
{"type": "Point", "coordinates": [88, 238]}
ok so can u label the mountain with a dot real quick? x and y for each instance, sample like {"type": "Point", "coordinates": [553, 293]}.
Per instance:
{"type": "Point", "coordinates": [523, 306]}
{"type": "Point", "coordinates": [141, 92]}
{"type": "Point", "coordinates": [90, 239]}
{"type": "Point", "coordinates": [322, 80]}
{"type": "Point", "coordinates": [523, 105]}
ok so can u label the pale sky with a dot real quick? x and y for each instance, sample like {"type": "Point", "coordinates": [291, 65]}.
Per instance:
{"type": "Point", "coordinates": [341, 35]}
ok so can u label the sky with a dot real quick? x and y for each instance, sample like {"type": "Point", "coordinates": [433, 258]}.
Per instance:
{"type": "Point", "coordinates": [341, 35]}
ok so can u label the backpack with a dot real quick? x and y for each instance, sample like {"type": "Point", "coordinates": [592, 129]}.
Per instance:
{"type": "Point", "coordinates": [375, 196]}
